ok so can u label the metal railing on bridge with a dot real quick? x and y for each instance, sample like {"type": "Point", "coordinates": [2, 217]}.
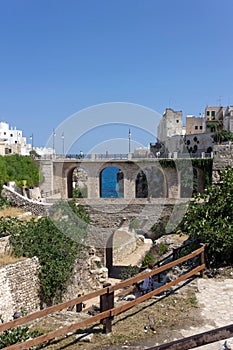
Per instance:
{"type": "Point", "coordinates": [127, 156]}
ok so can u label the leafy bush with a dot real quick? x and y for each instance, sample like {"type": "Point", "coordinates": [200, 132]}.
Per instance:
{"type": "Point", "coordinates": [163, 248]}
{"type": "Point", "coordinates": [80, 192]}
{"type": "Point", "coordinates": [209, 219]}
{"type": "Point", "coordinates": [147, 260]}
{"type": "Point", "coordinates": [129, 271]}
{"type": "Point", "coordinates": [17, 168]}
{"type": "Point", "coordinates": [159, 229]}
{"type": "Point", "coordinates": [16, 335]}
{"type": "Point", "coordinates": [57, 244]}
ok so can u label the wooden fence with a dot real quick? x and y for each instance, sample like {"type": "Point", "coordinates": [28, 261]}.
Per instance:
{"type": "Point", "coordinates": [197, 340]}
{"type": "Point", "coordinates": [107, 309]}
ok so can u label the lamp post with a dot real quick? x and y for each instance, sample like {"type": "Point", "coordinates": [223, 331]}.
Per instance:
{"type": "Point", "coordinates": [54, 135]}
{"type": "Point", "coordinates": [63, 144]}
{"type": "Point", "coordinates": [129, 136]}
{"type": "Point", "coordinates": [31, 138]}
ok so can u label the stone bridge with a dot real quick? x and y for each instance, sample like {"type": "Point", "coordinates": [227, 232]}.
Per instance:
{"type": "Point", "coordinates": [161, 181]}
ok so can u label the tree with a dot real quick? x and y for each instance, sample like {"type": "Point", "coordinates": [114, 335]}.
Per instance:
{"type": "Point", "coordinates": [18, 168]}
{"type": "Point", "coordinates": [209, 219]}
{"type": "Point", "coordinates": [222, 136]}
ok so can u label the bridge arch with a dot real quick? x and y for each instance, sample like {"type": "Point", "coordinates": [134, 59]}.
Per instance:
{"type": "Point", "coordinates": [72, 172]}
{"type": "Point", "coordinates": [151, 182]}
{"type": "Point", "coordinates": [111, 180]}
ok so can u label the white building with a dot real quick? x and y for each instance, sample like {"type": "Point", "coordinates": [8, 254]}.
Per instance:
{"type": "Point", "coordinates": [12, 141]}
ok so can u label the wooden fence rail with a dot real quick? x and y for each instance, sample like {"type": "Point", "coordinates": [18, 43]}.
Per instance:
{"type": "Point", "coordinates": [197, 340]}
{"type": "Point", "coordinates": [107, 309]}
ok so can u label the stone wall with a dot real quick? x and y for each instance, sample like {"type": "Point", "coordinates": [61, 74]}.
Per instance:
{"type": "Point", "coordinates": [124, 243]}
{"type": "Point", "coordinates": [89, 275]}
{"type": "Point", "coordinates": [35, 207]}
{"type": "Point", "coordinates": [223, 157]}
{"type": "Point", "coordinates": [19, 283]}
{"type": "Point", "coordinates": [19, 288]}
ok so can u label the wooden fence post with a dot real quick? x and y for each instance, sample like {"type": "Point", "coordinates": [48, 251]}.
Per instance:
{"type": "Point", "coordinates": [107, 303]}
{"type": "Point", "coordinates": [158, 275]}
{"type": "Point", "coordinates": [79, 306]}
{"type": "Point", "coordinates": [202, 260]}
{"type": "Point", "coordinates": [175, 254]}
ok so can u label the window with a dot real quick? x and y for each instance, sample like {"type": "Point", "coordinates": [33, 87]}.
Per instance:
{"type": "Point", "coordinates": [11, 135]}
{"type": "Point", "coordinates": [200, 127]}
{"type": "Point", "coordinates": [177, 120]}
{"type": "Point", "coordinates": [196, 127]}
{"type": "Point", "coordinates": [208, 113]}
{"type": "Point", "coordinates": [212, 113]}
{"type": "Point", "coordinates": [4, 133]}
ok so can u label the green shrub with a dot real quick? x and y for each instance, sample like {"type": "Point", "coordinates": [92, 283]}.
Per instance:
{"type": "Point", "coordinates": [57, 244]}
{"type": "Point", "coordinates": [163, 248]}
{"type": "Point", "coordinates": [17, 335]}
{"type": "Point", "coordinates": [129, 271]}
{"type": "Point", "coordinates": [147, 260]}
{"type": "Point", "coordinates": [134, 225]}
{"type": "Point", "coordinates": [209, 220]}
{"type": "Point", "coordinates": [80, 192]}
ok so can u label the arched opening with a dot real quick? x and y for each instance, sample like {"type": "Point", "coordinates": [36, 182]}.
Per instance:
{"type": "Point", "coordinates": [77, 183]}
{"type": "Point", "coordinates": [141, 185]}
{"type": "Point", "coordinates": [188, 182]}
{"type": "Point", "coordinates": [156, 183]}
{"type": "Point", "coordinates": [111, 182]}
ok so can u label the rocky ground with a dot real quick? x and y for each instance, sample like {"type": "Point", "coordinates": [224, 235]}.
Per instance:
{"type": "Point", "coordinates": [170, 314]}
{"type": "Point", "coordinates": [196, 307]}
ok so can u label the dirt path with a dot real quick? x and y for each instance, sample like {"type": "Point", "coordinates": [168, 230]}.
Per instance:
{"type": "Point", "coordinates": [133, 259]}
{"type": "Point", "coordinates": [215, 298]}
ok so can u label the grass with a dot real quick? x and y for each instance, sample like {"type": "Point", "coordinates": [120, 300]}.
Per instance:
{"type": "Point", "coordinates": [11, 211]}
{"type": "Point", "coordinates": [7, 259]}
{"type": "Point", "coordinates": [14, 212]}
{"type": "Point", "coordinates": [170, 314]}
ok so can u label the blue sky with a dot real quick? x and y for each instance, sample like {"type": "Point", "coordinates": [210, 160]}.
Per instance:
{"type": "Point", "coordinates": [58, 57]}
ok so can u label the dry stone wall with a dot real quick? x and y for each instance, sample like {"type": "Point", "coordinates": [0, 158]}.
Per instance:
{"type": "Point", "coordinates": [36, 208]}
{"type": "Point", "coordinates": [19, 284]}
{"type": "Point", "coordinates": [19, 287]}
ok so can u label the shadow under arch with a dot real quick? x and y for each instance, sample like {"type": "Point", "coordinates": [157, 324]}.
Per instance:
{"type": "Point", "coordinates": [141, 185]}
{"type": "Point", "coordinates": [188, 182]}
{"type": "Point", "coordinates": [111, 180]}
{"type": "Point", "coordinates": [157, 182]}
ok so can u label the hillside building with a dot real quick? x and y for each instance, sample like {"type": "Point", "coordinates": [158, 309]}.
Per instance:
{"type": "Point", "coordinates": [170, 124]}
{"type": "Point", "coordinates": [12, 141]}
{"type": "Point", "coordinates": [194, 125]}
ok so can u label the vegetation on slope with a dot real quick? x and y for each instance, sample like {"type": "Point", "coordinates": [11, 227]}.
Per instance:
{"type": "Point", "coordinates": [18, 168]}
{"type": "Point", "coordinates": [57, 243]}
{"type": "Point", "coordinates": [209, 219]}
